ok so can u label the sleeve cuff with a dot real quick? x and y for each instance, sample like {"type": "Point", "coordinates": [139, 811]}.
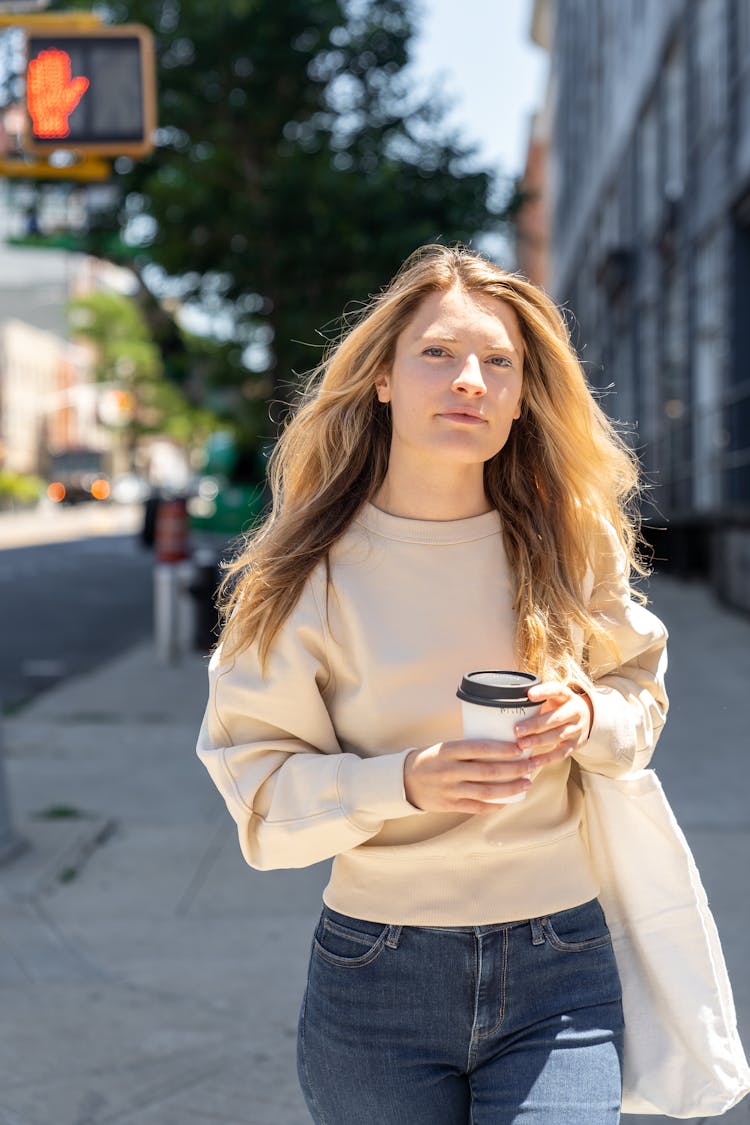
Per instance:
{"type": "Point", "coordinates": [371, 790]}
{"type": "Point", "coordinates": [611, 745]}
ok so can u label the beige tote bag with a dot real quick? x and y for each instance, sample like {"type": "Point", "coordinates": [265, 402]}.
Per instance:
{"type": "Point", "coordinates": [683, 1055]}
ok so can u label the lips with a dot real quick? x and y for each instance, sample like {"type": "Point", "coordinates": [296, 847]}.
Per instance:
{"type": "Point", "coordinates": [460, 416]}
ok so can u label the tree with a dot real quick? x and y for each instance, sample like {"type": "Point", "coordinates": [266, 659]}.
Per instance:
{"type": "Point", "coordinates": [129, 363]}
{"type": "Point", "coordinates": [295, 169]}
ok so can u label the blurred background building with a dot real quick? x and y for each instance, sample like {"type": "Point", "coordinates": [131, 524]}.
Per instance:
{"type": "Point", "coordinates": [50, 402]}
{"type": "Point", "coordinates": [638, 221]}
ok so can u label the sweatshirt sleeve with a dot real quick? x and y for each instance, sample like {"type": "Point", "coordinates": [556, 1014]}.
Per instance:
{"type": "Point", "coordinates": [629, 698]}
{"type": "Point", "coordinates": [271, 750]}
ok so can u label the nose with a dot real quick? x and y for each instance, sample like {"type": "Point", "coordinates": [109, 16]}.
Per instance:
{"type": "Point", "coordinates": [469, 380]}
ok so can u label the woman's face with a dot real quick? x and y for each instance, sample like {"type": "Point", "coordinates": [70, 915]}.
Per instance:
{"type": "Point", "coordinates": [456, 380]}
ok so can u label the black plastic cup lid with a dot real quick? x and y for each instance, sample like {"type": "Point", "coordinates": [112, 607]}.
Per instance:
{"type": "Point", "coordinates": [496, 688]}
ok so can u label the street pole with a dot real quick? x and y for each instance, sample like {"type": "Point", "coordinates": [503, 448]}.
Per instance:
{"type": "Point", "coordinates": [11, 844]}
{"type": "Point", "coordinates": [173, 571]}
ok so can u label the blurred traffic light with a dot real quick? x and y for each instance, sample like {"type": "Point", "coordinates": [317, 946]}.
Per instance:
{"type": "Point", "coordinates": [91, 91]}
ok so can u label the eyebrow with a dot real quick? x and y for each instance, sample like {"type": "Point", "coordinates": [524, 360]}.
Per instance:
{"type": "Point", "coordinates": [447, 338]}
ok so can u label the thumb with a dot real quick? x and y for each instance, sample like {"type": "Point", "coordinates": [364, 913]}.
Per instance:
{"type": "Point", "coordinates": [75, 91]}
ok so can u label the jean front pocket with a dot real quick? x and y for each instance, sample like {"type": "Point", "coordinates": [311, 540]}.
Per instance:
{"type": "Point", "coordinates": [578, 930]}
{"type": "Point", "coordinates": [350, 943]}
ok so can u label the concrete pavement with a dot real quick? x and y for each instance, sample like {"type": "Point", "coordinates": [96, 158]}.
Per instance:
{"type": "Point", "coordinates": [56, 523]}
{"type": "Point", "coordinates": [148, 977]}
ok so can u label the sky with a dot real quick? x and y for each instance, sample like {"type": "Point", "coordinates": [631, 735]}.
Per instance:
{"type": "Point", "coordinates": [490, 70]}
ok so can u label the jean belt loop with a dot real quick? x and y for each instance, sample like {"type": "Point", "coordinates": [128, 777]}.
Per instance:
{"type": "Point", "coordinates": [537, 931]}
{"type": "Point", "coordinates": [394, 936]}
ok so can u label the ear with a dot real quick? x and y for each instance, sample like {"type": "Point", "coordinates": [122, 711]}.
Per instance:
{"type": "Point", "coordinates": [383, 388]}
{"type": "Point", "coordinates": [517, 411]}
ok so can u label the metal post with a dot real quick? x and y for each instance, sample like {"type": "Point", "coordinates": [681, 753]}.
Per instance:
{"type": "Point", "coordinates": [165, 613]}
{"type": "Point", "coordinates": [172, 574]}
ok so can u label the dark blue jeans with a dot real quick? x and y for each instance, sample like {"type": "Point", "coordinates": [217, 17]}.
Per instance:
{"type": "Point", "coordinates": [519, 1022]}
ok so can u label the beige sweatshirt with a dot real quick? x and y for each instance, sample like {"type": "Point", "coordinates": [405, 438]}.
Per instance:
{"type": "Point", "coordinates": [310, 760]}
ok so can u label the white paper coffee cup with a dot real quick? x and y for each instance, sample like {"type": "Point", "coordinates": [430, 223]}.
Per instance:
{"type": "Point", "coordinates": [492, 702]}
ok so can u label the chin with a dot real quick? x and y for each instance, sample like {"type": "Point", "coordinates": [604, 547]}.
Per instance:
{"type": "Point", "coordinates": [468, 452]}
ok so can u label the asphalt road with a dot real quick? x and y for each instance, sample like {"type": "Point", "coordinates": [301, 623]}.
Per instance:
{"type": "Point", "coordinates": [65, 607]}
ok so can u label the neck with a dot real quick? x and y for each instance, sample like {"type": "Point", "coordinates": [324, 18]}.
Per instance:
{"type": "Point", "coordinates": [428, 498]}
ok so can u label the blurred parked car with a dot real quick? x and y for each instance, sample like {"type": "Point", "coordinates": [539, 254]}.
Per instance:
{"type": "Point", "coordinates": [77, 475]}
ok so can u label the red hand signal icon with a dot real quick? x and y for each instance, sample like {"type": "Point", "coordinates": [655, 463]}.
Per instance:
{"type": "Point", "coordinates": [51, 93]}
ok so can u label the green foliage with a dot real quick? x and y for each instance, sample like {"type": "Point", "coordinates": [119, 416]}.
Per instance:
{"type": "Point", "coordinates": [17, 489]}
{"type": "Point", "coordinates": [127, 357]}
{"type": "Point", "coordinates": [296, 168]}
{"type": "Point", "coordinates": [113, 323]}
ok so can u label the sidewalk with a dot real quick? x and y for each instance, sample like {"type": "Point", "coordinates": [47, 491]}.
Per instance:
{"type": "Point", "coordinates": [150, 978]}
{"type": "Point", "coordinates": [54, 523]}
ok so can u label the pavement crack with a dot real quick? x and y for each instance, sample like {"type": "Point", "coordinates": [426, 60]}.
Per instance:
{"type": "Point", "coordinates": [163, 1089]}
{"type": "Point", "coordinates": [205, 863]}
{"type": "Point", "coordinates": [72, 948]}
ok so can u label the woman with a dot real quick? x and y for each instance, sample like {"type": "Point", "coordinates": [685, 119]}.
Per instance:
{"type": "Point", "coordinates": [447, 498]}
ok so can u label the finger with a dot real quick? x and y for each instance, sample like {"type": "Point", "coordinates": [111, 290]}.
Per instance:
{"type": "Point", "coordinates": [492, 772]}
{"type": "Point", "coordinates": [475, 807]}
{"type": "Point", "coordinates": [477, 791]}
{"type": "Point", "coordinates": [539, 744]}
{"type": "Point", "coordinates": [540, 723]}
{"type": "Point", "coordinates": [482, 749]}
{"type": "Point", "coordinates": [552, 689]}
{"type": "Point", "coordinates": [573, 728]}
{"type": "Point", "coordinates": [571, 732]}
{"type": "Point", "coordinates": [559, 754]}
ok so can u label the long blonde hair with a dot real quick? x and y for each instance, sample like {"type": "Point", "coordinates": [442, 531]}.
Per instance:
{"type": "Point", "coordinates": [563, 470]}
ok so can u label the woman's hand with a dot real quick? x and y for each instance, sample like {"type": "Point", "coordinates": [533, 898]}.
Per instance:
{"type": "Point", "coordinates": [562, 724]}
{"type": "Point", "coordinates": [464, 776]}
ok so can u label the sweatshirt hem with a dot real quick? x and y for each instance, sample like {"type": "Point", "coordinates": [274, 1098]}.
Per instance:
{"type": "Point", "coordinates": [473, 890]}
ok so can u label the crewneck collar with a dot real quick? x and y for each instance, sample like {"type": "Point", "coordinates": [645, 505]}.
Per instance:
{"type": "Point", "coordinates": [428, 531]}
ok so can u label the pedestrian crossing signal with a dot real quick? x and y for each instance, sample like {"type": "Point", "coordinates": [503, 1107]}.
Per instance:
{"type": "Point", "coordinates": [52, 94]}
{"type": "Point", "coordinates": [91, 91]}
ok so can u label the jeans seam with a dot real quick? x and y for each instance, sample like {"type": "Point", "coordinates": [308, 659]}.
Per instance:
{"type": "Point", "coordinates": [588, 945]}
{"type": "Point", "coordinates": [361, 962]}
{"type": "Point", "coordinates": [350, 935]}
{"type": "Point", "coordinates": [474, 1038]}
{"type": "Point", "coordinates": [503, 992]}
{"type": "Point", "coordinates": [309, 1091]}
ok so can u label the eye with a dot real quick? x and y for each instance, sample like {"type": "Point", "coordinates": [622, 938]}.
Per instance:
{"type": "Point", "coordinates": [434, 352]}
{"type": "Point", "coordinates": [501, 360]}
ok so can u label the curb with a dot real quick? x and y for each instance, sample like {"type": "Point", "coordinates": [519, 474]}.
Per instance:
{"type": "Point", "coordinates": [51, 852]}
